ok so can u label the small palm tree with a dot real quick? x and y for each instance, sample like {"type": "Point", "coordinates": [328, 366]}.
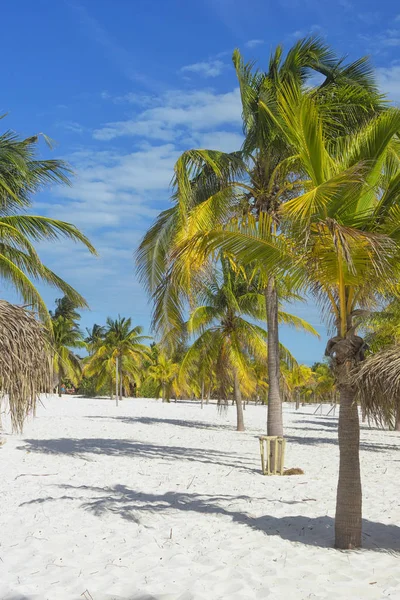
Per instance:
{"type": "Point", "coordinates": [94, 337]}
{"type": "Point", "coordinates": [226, 341]}
{"type": "Point", "coordinates": [120, 354]}
{"type": "Point", "coordinates": [164, 373]}
{"type": "Point", "coordinates": [66, 336]}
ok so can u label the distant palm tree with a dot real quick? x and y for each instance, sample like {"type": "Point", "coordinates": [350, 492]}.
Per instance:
{"type": "Point", "coordinates": [94, 337]}
{"type": "Point", "coordinates": [164, 373]}
{"type": "Point", "coordinates": [22, 174]}
{"type": "Point", "coordinates": [227, 341]}
{"type": "Point", "coordinates": [120, 353]}
{"type": "Point", "coordinates": [66, 336]}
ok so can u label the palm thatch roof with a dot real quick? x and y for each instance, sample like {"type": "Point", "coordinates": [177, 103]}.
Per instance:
{"type": "Point", "coordinates": [378, 384]}
{"type": "Point", "coordinates": [25, 361]}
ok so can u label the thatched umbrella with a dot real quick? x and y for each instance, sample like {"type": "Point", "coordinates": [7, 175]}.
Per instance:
{"type": "Point", "coordinates": [378, 385]}
{"type": "Point", "coordinates": [25, 361]}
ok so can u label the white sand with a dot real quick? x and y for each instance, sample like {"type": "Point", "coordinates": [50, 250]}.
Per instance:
{"type": "Point", "coordinates": [157, 501]}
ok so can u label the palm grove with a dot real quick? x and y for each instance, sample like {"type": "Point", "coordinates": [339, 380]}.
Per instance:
{"type": "Point", "coordinates": [308, 206]}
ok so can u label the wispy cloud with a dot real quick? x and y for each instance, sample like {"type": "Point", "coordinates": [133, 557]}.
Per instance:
{"type": "Point", "coordinates": [211, 68]}
{"type": "Point", "coordinates": [254, 43]}
{"type": "Point", "coordinates": [389, 81]}
{"type": "Point", "coordinates": [370, 17]}
{"type": "Point", "coordinates": [178, 114]}
{"type": "Point", "coordinates": [72, 126]}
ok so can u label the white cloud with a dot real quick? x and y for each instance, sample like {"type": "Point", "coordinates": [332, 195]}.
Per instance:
{"type": "Point", "coordinates": [176, 112]}
{"type": "Point", "coordinates": [389, 81]}
{"type": "Point", "coordinates": [254, 43]}
{"type": "Point", "coordinates": [211, 68]}
{"type": "Point", "coordinates": [226, 141]}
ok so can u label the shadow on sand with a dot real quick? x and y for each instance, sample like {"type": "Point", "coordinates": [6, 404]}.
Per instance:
{"type": "Point", "coordinates": [131, 505]}
{"type": "Point", "coordinates": [158, 421]}
{"type": "Point", "coordinates": [81, 448]}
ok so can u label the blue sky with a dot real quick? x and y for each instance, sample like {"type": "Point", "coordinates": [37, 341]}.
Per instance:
{"type": "Point", "coordinates": [125, 86]}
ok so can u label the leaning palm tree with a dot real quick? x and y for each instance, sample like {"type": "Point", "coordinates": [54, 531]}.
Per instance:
{"type": "Point", "coordinates": [341, 237]}
{"type": "Point", "coordinates": [22, 174]}
{"type": "Point", "coordinates": [66, 336]}
{"type": "Point", "coordinates": [25, 361]}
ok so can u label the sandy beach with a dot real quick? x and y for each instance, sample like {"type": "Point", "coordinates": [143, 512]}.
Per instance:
{"type": "Point", "coordinates": [166, 501]}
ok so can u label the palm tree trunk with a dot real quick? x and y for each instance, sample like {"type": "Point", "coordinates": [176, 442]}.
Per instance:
{"type": "Point", "coordinates": [120, 381]}
{"type": "Point", "coordinates": [239, 406]}
{"type": "Point", "coordinates": [59, 386]}
{"type": "Point", "coordinates": [274, 419]}
{"type": "Point", "coordinates": [202, 393]}
{"type": "Point", "coordinates": [397, 421]}
{"type": "Point", "coordinates": [116, 380]}
{"type": "Point", "coordinates": [349, 496]}
{"type": "Point", "coordinates": [163, 393]}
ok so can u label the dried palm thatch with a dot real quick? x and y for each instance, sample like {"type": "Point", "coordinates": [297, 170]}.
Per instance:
{"type": "Point", "coordinates": [378, 385]}
{"type": "Point", "coordinates": [25, 361]}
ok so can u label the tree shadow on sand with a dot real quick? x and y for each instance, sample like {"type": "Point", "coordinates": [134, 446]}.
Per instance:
{"type": "Point", "coordinates": [160, 421]}
{"type": "Point", "coordinates": [319, 441]}
{"type": "Point", "coordinates": [131, 505]}
{"type": "Point", "coordinates": [82, 448]}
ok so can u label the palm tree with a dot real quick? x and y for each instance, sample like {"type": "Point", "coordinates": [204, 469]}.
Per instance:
{"type": "Point", "coordinates": [212, 187]}
{"type": "Point", "coordinates": [65, 335]}
{"type": "Point", "coordinates": [119, 356]}
{"type": "Point", "coordinates": [297, 380]}
{"type": "Point", "coordinates": [164, 373]}
{"type": "Point", "coordinates": [65, 307]}
{"type": "Point", "coordinates": [228, 342]}
{"type": "Point", "coordinates": [94, 337]}
{"type": "Point", "coordinates": [22, 174]}
{"type": "Point", "coordinates": [340, 236]}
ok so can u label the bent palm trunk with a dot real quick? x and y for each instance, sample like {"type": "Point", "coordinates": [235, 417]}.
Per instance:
{"type": "Point", "coordinates": [274, 418]}
{"type": "Point", "coordinates": [348, 522]}
{"type": "Point", "coordinates": [239, 406]}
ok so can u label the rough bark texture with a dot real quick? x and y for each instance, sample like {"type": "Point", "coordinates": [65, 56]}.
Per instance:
{"type": "Point", "coordinates": [348, 522]}
{"type": "Point", "coordinates": [274, 419]}
{"type": "Point", "coordinates": [239, 406]}
{"type": "Point", "coordinates": [397, 421]}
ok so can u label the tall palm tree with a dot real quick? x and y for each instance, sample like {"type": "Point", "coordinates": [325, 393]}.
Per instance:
{"type": "Point", "coordinates": [66, 336]}
{"type": "Point", "coordinates": [212, 187]}
{"type": "Point", "coordinates": [340, 236]}
{"type": "Point", "coordinates": [22, 174]}
{"type": "Point", "coordinates": [119, 354]}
